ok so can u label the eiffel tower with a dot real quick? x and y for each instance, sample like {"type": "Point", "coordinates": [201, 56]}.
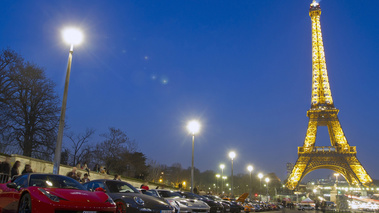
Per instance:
{"type": "Point", "coordinates": [340, 156]}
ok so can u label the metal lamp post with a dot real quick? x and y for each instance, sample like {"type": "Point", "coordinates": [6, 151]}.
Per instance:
{"type": "Point", "coordinates": [260, 176]}
{"type": "Point", "coordinates": [232, 155]}
{"type": "Point", "coordinates": [267, 180]}
{"type": "Point", "coordinates": [73, 37]}
{"type": "Point", "coordinates": [193, 127]}
{"type": "Point", "coordinates": [217, 177]}
{"type": "Point", "coordinates": [250, 169]}
{"type": "Point", "coordinates": [222, 166]}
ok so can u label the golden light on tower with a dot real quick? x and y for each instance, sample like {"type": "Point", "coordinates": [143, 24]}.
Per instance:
{"type": "Point", "coordinates": [340, 156]}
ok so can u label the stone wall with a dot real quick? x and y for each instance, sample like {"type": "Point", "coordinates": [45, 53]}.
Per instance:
{"type": "Point", "coordinates": [41, 166]}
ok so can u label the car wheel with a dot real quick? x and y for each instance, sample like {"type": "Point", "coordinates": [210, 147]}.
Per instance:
{"type": "Point", "coordinates": [303, 209]}
{"type": "Point", "coordinates": [120, 206]}
{"type": "Point", "coordinates": [25, 205]}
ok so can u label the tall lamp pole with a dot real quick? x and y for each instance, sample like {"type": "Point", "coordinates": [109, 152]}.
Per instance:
{"type": "Point", "coordinates": [73, 37]}
{"type": "Point", "coordinates": [222, 166]}
{"type": "Point", "coordinates": [260, 176]}
{"type": "Point", "coordinates": [193, 127]}
{"type": "Point", "coordinates": [232, 155]}
{"type": "Point", "coordinates": [217, 177]}
{"type": "Point", "coordinates": [250, 169]}
{"type": "Point", "coordinates": [267, 180]}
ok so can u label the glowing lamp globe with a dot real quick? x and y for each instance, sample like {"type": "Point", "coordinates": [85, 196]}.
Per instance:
{"type": "Point", "coordinates": [222, 166]}
{"type": "Point", "coordinates": [193, 127]}
{"type": "Point", "coordinates": [260, 175]}
{"type": "Point", "coordinates": [250, 168]}
{"type": "Point", "coordinates": [72, 36]}
{"type": "Point", "coordinates": [232, 155]}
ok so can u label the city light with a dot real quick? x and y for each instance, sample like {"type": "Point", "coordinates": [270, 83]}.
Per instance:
{"type": "Point", "coordinates": [72, 36]}
{"type": "Point", "coordinates": [193, 127]}
{"type": "Point", "coordinates": [232, 155]}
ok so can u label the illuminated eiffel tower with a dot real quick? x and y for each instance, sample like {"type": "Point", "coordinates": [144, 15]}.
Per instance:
{"type": "Point", "coordinates": [340, 156]}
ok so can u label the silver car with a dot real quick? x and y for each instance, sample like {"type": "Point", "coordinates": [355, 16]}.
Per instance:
{"type": "Point", "coordinates": [182, 205]}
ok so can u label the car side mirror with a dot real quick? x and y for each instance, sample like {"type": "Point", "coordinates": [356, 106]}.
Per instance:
{"type": "Point", "coordinates": [99, 189]}
{"type": "Point", "coordinates": [12, 185]}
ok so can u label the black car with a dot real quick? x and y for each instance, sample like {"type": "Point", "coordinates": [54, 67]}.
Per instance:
{"type": "Point", "coordinates": [226, 204]}
{"type": "Point", "coordinates": [127, 198]}
{"type": "Point", "coordinates": [216, 207]}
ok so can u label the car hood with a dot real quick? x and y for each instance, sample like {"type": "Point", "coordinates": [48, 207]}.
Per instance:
{"type": "Point", "coordinates": [192, 203]}
{"type": "Point", "coordinates": [78, 195]}
{"type": "Point", "coordinates": [149, 200]}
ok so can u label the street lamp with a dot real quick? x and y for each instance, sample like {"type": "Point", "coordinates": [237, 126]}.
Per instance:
{"type": "Point", "coordinates": [73, 37]}
{"type": "Point", "coordinates": [250, 169]}
{"type": "Point", "coordinates": [267, 180]}
{"type": "Point", "coordinates": [222, 166]}
{"type": "Point", "coordinates": [260, 176]}
{"type": "Point", "coordinates": [193, 127]}
{"type": "Point", "coordinates": [232, 155]}
{"type": "Point", "coordinates": [217, 177]}
{"type": "Point", "coordinates": [336, 174]}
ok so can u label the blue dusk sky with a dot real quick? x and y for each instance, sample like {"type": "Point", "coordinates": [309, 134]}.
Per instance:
{"type": "Point", "coordinates": [241, 67]}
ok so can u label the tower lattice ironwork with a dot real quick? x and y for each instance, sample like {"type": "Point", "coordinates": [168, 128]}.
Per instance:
{"type": "Point", "coordinates": [340, 156]}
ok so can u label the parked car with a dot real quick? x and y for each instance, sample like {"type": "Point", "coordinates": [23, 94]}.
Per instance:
{"type": "Point", "coordinates": [305, 207]}
{"type": "Point", "coordinates": [50, 193]}
{"type": "Point", "coordinates": [127, 198]}
{"type": "Point", "coordinates": [218, 199]}
{"type": "Point", "coordinates": [215, 206]}
{"type": "Point", "coordinates": [180, 203]}
{"type": "Point", "coordinates": [234, 206]}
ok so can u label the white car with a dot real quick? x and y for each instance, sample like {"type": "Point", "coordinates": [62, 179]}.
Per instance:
{"type": "Point", "coordinates": [305, 207]}
{"type": "Point", "coordinates": [182, 205]}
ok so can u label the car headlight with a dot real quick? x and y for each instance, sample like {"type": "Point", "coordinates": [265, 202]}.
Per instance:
{"type": "Point", "coordinates": [50, 196]}
{"type": "Point", "coordinates": [109, 200]}
{"type": "Point", "coordinates": [139, 201]}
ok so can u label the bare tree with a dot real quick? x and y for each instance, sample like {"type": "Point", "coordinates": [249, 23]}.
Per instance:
{"type": "Point", "coordinates": [8, 60]}
{"type": "Point", "coordinates": [29, 107]}
{"type": "Point", "coordinates": [118, 153]}
{"type": "Point", "coordinates": [79, 145]}
{"type": "Point", "coordinates": [154, 170]}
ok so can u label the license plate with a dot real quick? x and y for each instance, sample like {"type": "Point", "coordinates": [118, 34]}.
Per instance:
{"type": "Point", "coordinates": [218, 211]}
{"type": "Point", "coordinates": [166, 211]}
{"type": "Point", "coordinates": [242, 210]}
{"type": "Point", "coordinates": [89, 211]}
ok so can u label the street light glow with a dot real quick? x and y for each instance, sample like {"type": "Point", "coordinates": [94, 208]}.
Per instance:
{"type": "Point", "coordinates": [260, 175]}
{"type": "Point", "coordinates": [193, 127]}
{"type": "Point", "coordinates": [232, 155]}
{"type": "Point", "coordinates": [218, 175]}
{"type": "Point", "coordinates": [267, 180]}
{"type": "Point", "coordinates": [72, 36]}
{"type": "Point", "coordinates": [250, 168]}
{"type": "Point", "coordinates": [222, 166]}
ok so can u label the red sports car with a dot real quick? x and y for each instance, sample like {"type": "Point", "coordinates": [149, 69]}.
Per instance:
{"type": "Point", "coordinates": [51, 193]}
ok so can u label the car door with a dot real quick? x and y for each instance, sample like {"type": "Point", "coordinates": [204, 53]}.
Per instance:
{"type": "Point", "coordinates": [11, 196]}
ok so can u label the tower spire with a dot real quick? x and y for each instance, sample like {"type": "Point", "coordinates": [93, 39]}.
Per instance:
{"type": "Point", "coordinates": [321, 93]}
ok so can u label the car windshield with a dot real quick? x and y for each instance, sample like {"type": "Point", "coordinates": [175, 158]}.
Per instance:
{"type": "Point", "coordinates": [213, 197]}
{"type": "Point", "coordinates": [120, 187]}
{"type": "Point", "coordinates": [168, 194]}
{"type": "Point", "coordinates": [54, 181]}
{"type": "Point", "coordinates": [194, 196]}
